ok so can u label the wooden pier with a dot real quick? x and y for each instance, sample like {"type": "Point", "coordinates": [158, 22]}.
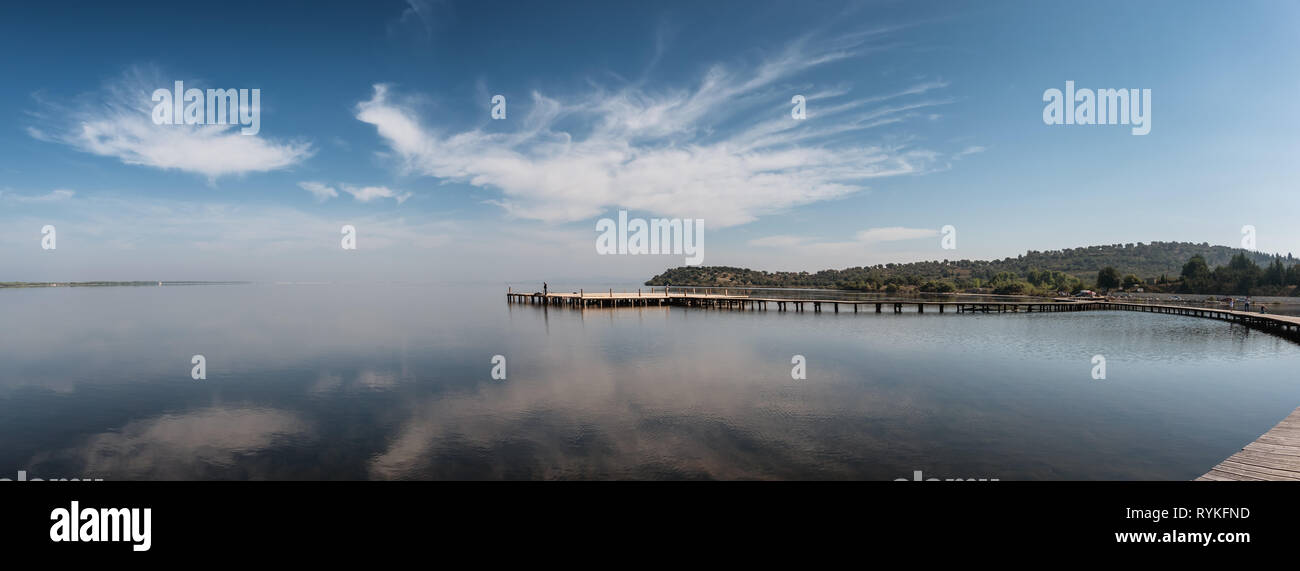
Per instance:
{"type": "Point", "coordinates": [1273, 456]}
{"type": "Point", "coordinates": [1287, 326]}
{"type": "Point", "coordinates": [724, 300]}
{"type": "Point", "coordinates": [1282, 325]}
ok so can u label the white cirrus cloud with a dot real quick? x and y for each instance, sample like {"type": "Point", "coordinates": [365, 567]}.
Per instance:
{"type": "Point", "coordinates": [779, 241]}
{"type": "Point", "coordinates": [165, 229]}
{"type": "Point", "coordinates": [323, 192]}
{"type": "Point", "coordinates": [894, 233]}
{"type": "Point", "coordinates": [876, 243]}
{"type": "Point", "coordinates": [725, 149]}
{"type": "Point", "coordinates": [368, 193]}
{"type": "Point", "coordinates": [420, 16]}
{"type": "Point", "coordinates": [57, 195]}
{"type": "Point", "coordinates": [320, 191]}
{"type": "Point", "coordinates": [116, 122]}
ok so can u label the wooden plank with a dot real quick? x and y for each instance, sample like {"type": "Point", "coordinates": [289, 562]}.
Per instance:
{"type": "Point", "coordinates": [1243, 473]}
{"type": "Point", "coordinates": [1235, 462]}
{"type": "Point", "coordinates": [1212, 477]}
{"type": "Point", "coordinates": [1289, 462]}
{"type": "Point", "coordinates": [1278, 439]}
{"type": "Point", "coordinates": [1228, 476]}
{"type": "Point", "coordinates": [1273, 449]}
{"type": "Point", "coordinates": [1275, 455]}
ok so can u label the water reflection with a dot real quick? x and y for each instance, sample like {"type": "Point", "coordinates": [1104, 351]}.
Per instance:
{"type": "Point", "coordinates": [392, 382]}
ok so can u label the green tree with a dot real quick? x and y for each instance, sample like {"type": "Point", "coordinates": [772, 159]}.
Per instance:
{"type": "Point", "coordinates": [1108, 278]}
{"type": "Point", "coordinates": [1276, 273]}
{"type": "Point", "coordinates": [935, 286]}
{"type": "Point", "coordinates": [1013, 288]}
{"type": "Point", "coordinates": [1239, 276]}
{"type": "Point", "coordinates": [1196, 269]}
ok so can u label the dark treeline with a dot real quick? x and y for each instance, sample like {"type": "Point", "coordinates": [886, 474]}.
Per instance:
{"type": "Point", "coordinates": [1241, 275]}
{"type": "Point", "coordinates": [1155, 267]}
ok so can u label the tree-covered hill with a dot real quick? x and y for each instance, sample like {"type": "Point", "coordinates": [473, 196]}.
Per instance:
{"type": "Point", "coordinates": [1156, 262]}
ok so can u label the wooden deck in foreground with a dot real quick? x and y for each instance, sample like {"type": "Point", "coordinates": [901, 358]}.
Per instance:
{"type": "Point", "coordinates": [1273, 456]}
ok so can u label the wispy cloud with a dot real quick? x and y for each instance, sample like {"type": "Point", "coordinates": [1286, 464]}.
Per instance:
{"type": "Point", "coordinates": [58, 195]}
{"type": "Point", "coordinates": [224, 226]}
{"type": "Point", "coordinates": [868, 242]}
{"type": "Point", "coordinates": [177, 239]}
{"type": "Point", "coordinates": [116, 122]}
{"type": "Point", "coordinates": [320, 191]}
{"type": "Point", "coordinates": [368, 193]}
{"type": "Point", "coordinates": [894, 233]}
{"type": "Point", "coordinates": [418, 16]}
{"type": "Point", "coordinates": [726, 149]}
{"type": "Point", "coordinates": [323, 192]}
{"type": "Point", "coordinates": [779, 241]}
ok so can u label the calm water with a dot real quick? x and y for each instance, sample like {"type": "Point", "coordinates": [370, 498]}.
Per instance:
{"type": "Point", "coordinates": [393, 382]}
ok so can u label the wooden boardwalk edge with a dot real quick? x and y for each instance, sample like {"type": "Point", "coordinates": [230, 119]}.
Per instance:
{"type": "Point", "coordinates": [1275, 455]}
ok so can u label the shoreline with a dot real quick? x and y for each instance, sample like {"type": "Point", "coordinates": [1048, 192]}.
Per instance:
{"type": "Point", "coordinates": [22, 285]}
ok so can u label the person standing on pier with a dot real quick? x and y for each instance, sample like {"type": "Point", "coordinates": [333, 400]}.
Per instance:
{"type": "Point", "coordinates": [1247, 303]}
{"type": "Point", "coordinates": [544, 289]}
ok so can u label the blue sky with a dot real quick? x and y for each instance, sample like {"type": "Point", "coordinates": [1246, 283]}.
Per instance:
{"type": "Point", "coordinates": [919, 115]}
